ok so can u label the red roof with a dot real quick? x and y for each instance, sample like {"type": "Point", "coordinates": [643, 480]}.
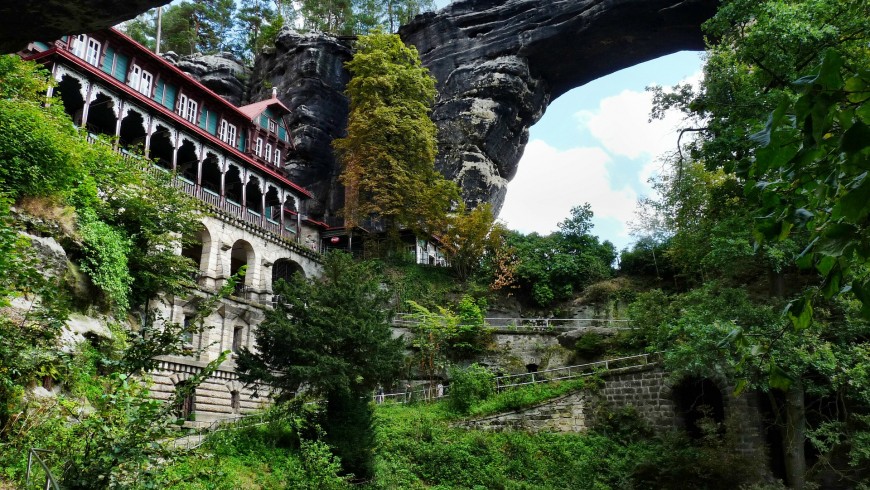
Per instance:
{"type": "Point", "coordinates": [168, 113]}
{"type": "Point", "coordinates": [255, 109]}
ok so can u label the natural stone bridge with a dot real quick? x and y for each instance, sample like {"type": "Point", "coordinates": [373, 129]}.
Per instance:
{"type": "Point", "coordinates": [498, 64]}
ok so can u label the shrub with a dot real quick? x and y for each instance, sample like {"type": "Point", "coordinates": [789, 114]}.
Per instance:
{"type": "Point", "coordinates": [469, 386]}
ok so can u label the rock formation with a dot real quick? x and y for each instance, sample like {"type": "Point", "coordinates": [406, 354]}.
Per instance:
{"type": "Point", "coordinates": [308, 70]}
{"type": "Point", "coordinates": [47, 20]}
{"type": "Point", "coordinates": [499, 63]}
{"type": "Point", "coordinates": [223, 73]}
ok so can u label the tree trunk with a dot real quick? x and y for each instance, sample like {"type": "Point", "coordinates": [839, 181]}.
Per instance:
{"type": "Point", "coordinates": [795, 437]}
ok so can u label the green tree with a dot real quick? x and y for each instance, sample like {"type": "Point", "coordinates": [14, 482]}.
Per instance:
{"type": "Point", "coordinates": [554, 267]}
{"type": "Point", "coordinates": [388, 155]}
{"type": "Point", "coordinates": [257, 24]}
{"type": "Point", "coordinates": [329, 338]}
{"type": "Point", "coordinates": [470, 237]}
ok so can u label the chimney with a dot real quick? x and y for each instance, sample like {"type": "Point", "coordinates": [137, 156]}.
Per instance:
{"type": "Point", "coordinates": [274, 92]}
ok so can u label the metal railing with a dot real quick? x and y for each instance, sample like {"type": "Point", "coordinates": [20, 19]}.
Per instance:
{"type": "Point", "coordinates": [573, 372]}
{"type": "Point", "coordinates": [529, 324]}
{"type": "Point", "coordinates": [196, 439]}
{"type": "Point", "coordinates": [502, 383]}
{"type": "Point", "coordinates": [50, 482]}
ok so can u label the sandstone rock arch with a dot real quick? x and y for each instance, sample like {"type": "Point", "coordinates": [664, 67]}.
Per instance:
{"type": "Point", "coordinates": [498, 64]}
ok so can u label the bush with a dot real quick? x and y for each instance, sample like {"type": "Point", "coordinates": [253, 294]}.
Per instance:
{"type": "Point", "coordinates": [591, 345]}
{"type": "Point", "coordinates": [469, 386]}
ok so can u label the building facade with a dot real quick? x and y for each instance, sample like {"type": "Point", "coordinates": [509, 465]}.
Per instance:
{"type": "Point", "coordinates": [230, 158]}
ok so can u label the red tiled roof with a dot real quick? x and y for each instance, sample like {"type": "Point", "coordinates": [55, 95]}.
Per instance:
{"type": "Point", "coordinates": [254, 110]}
{"type": "Point", "coordinates": [106, 78]}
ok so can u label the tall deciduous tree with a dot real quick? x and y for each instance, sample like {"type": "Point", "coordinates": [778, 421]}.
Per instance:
{"type": "Point", "coordinates": [470, 235]}
{"type": "Point", "coordinates": [388, 155]}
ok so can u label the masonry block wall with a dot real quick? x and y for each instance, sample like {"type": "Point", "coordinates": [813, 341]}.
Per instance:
{"type": "Point", "coordinates": [564, 414]}
{"type": "Point", "coordinates": [646, 389]}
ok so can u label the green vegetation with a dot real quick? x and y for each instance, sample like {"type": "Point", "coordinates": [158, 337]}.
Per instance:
{"type": "Point", "coordinates": [419, 446]}
{"type": "Point", "coordinates": [763, 221]}
{"type": "Point", "coordinates": [388, 155]}
{"type": "Point", "coordinates": [245, 27]}
{"type": "Point", "coordinates": [330, 337]}
{"type": "Point", "coordinates": [557, 266]}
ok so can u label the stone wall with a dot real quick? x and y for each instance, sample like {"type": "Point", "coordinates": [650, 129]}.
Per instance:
{"type": "Point", "coordinates": [212, 399]}
{"type": "Point", "coordinates": [567, 413]}
{"type": "Point", "coordinates": [646, 389]}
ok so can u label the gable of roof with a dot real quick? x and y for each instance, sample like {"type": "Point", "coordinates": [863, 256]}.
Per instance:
{"type": "Point", "coordinates": [257, 108]}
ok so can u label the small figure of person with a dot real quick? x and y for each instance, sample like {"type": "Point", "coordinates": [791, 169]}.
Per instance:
{"type": "Point", "coordinates": [380, 398]}
{"type": "Point", "coordinates": [439, 390]}
{"type": "Point", "coordinates": [408, 393]}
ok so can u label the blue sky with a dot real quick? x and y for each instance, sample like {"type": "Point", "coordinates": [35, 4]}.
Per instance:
{"type": "Point", "coordinates": [595, 144]}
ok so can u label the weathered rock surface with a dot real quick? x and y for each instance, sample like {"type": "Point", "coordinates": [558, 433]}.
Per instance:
{"type": "Point", "coordinates": [46, 20]}
{"type": "Point", "coordinates": [499, 64]}
{"type": "Point", "coordinates": [308, 71]}
{"type": "Point", "coordinates": [223, 73]}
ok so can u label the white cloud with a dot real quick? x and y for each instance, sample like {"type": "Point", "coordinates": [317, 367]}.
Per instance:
{"type": "Point", "coordinates": [550, 182]}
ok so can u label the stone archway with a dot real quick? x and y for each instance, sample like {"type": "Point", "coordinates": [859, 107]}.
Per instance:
{"type": "Point", "coordinates": [698, 402]}
{"type": "Point", "coordinates": [505, 63]}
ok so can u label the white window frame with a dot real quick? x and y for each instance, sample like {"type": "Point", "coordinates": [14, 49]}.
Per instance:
{"type": "Point", "coordinates": [135, 76]}
{"type": "Point", "coordinates": [92, 55]}
{"type": "Point", "coordinates": [182, 105]}
{"type": "Point", "coordinates": [228, 132]}
{"type": "Point", "coordinates": [258, 147]}
{"type": "Point", "coordinates": [142, 81]}
{"type": "Point", "coordinates": [277, 157]}
{"type": "Point", "coordinates": [268, 152]}
{"type": "Point", "coordinates": [146, 82]}
{"type": "Point", "coordinates": [192, 110]}
{"type": "Point", "coordinates": [187, 108]}
{"type": "Point", "coordinates": [222, 131]}
{"type": "Point", "coordinates": [273, 126]}
{"type": "Point", "coordinates": [231, 134]}
{"type": "Point", "coordinates": [80, 45]}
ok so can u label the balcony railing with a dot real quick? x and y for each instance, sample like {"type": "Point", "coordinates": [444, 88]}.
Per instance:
{"type": "Point", "coordinates": [210, 197]}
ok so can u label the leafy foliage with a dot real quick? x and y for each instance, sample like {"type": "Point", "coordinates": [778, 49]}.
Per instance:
{"type": "Point", "coordinates": [331, 334]}
{"type": "Point", "coordinates": [471, 237]}
{"type": "Point", "coordinates": [469, 386]}
{"type": "Point", "coordinates": [388, 154]}
{"type": "Point", "coordinates": [552, 268]}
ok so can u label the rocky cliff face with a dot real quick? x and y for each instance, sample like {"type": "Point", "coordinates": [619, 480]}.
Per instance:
{"type": "Point", "coordinates": [47, 20]}
{"type": "Point", "coordinates": [222, 73]}
{"type": "Point", "coordinates": [499, 63]}
{"type": "Point", "coordinates": [308, 71]}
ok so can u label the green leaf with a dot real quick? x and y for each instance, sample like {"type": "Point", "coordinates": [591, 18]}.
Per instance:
{"type": "Point", "coordinates": [837, 239]}
{"type": "Point", "coordinates": [855, 203]}
{"type": "Point", "coordinates": [740, 386]}
{"type": "Point", "coordinates": [800, 313]}
{"type": "Point", "coordinates": [779, 379]}
{"type": "Point", "coordinates": [856, 138]}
